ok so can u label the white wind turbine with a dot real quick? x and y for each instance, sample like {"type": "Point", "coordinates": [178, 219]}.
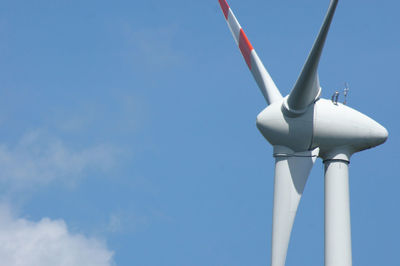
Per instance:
{"type": "Point", "coordinates": [301, 127]}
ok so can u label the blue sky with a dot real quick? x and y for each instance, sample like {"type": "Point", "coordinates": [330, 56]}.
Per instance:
{"type": "Point", "coordinates": [128, 131]}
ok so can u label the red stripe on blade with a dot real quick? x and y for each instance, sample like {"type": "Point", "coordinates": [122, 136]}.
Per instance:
{"type": "Point", "coordinates": [245, 47]}
{"type": "Point", "coordinates": [224, 7]}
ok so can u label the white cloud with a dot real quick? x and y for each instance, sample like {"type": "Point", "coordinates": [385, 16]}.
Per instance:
{"type": "Point", "coordinates": [156, 47]}
{"type": "Point", "coordinates": [38, 158]}
{"type": "Point", "coordinates": [126, 221]}
{"type": "Point", "coordinates": [47, 243]}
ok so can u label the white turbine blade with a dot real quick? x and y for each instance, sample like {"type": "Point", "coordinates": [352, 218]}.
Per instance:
{"type": "Point", "coordinates": [291, 174]}
{"type": "Point", "coordinates": [307, 87]}
{"type": "Point", "coordinates": [260, 74]}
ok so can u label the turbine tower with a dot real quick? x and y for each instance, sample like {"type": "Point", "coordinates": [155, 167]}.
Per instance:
{"type": "Point", "coordinates": [301, 127]}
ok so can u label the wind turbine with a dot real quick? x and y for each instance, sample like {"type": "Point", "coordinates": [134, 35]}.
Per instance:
{"type": "Point", "coordinates": [301, 127]}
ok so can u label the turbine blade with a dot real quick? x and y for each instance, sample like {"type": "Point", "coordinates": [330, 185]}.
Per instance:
{"type": "Point", "coordinates": [260, 74]}
{"type": "Point", "coordinates": [307, 87]}
{"type": "Point", "coordinates": [291, 174]}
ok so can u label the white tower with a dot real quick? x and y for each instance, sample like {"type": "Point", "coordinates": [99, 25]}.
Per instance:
{"type": "Point", "coordinates": [302, 127]}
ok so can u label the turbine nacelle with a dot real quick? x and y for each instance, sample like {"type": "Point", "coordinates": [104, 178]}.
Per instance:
{"type": "Point", "coordinates": [324, 124]}
{"type": "Point", "coordinates": [339, 126]}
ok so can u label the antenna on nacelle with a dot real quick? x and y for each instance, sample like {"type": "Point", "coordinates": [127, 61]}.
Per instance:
{"type": "Point", "coordinates": [345, 92]}
{"type": "Point", "coordinates": [335, 97]}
